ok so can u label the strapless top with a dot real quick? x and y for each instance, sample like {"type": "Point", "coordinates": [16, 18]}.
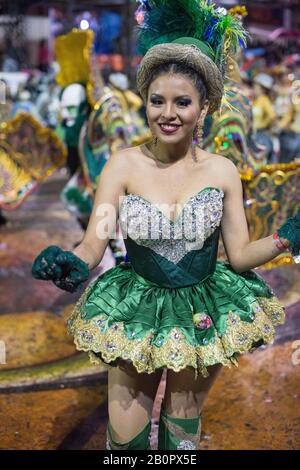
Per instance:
{"type": "Point", "coordinates": [175, 253]}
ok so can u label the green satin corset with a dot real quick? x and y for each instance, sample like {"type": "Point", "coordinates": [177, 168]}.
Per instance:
{"type": "Point", "coordinates": [170, 253]}
{"type": "Point", "coordinates": [195, 266]}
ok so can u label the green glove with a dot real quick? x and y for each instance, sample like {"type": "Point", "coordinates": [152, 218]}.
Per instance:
{"type": "Point", "coordinates": [291, 231]}
{"type": "Point", "coordinates": [65, 269]}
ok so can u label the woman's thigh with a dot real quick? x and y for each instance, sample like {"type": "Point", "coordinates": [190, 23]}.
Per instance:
{"type": "Point", "coordinates": [185, 395]}
{"type": "Point", "coordinates": [131, 397]}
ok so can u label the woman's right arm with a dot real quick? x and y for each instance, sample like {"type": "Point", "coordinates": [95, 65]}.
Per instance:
{"type": "Point", "coordinates": [103, 220]}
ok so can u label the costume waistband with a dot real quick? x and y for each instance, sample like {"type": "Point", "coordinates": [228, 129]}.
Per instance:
{"type": "Point", "coordinates": [148, 283]}
{"type": "Point", "coordinates": [157, 271]}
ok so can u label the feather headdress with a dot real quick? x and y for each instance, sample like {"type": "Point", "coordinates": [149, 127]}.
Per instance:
{"type": "Point", "coordinates": [166, 21]}
{"type": "Point", "coordinates": [197, 23]}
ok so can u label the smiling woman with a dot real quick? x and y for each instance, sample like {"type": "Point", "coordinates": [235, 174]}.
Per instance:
{"type": "Point", "coordinates": [176, 106]}
{"type": "Point", "coordinates": [172, 305]}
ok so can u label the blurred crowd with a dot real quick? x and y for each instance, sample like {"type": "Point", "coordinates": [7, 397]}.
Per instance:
{"type": "Point", "coordinates": [270, 78]}
{"type": "Point", "coordinates": [38, 95]}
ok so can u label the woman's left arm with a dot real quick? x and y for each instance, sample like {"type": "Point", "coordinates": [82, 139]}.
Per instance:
{"type": "Point", "coordinates": [241, 252]}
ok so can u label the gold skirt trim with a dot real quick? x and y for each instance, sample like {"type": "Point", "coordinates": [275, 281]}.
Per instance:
{"type": "Point", "coordinates": [176, 352]}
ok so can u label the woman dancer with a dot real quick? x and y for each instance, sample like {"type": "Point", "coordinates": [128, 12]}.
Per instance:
{"type": "Point", "coordinates": [172, 305]}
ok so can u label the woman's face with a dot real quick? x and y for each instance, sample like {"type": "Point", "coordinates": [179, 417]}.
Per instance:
{"type": "Point", "coordinates": [173, 108]}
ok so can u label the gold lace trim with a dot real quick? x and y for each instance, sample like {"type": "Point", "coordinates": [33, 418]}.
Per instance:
{"type": "Point", "coordinates": [187, 440]}
{"type": "Point", "coordinates": [176, 352]}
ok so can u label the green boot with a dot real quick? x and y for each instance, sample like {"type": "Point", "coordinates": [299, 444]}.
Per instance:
{"type": "Point", "coordinates": [139, 442]}
{"type": "Point", "coordinates": [178, 433]}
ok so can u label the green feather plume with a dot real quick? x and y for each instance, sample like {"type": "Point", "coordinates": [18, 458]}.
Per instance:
{"type": "Point", "coordinates": [167, 20]}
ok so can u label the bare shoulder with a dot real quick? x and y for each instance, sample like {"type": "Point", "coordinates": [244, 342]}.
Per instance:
{"type": "Point", "coordinates": [224, 163]}
{"type": "Point", "coordinates": [226, 170]}
{"type": "Point", "coordinates": [123, 159]}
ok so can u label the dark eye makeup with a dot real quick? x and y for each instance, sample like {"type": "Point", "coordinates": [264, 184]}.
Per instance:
{"type": "Point", "coordinates": [156, 100]}
{"type": "Point", "coordinates": [184, 101]}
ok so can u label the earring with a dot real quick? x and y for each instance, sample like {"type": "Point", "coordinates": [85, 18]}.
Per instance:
{"type": "Point", "coordinates": [197, 140]}
{"type": "Point", "coordinates": [199, 134]}
{"type": "Point", "coordinates": [155, 141]}
{"type": "Point", "coordinates": [194, 152]}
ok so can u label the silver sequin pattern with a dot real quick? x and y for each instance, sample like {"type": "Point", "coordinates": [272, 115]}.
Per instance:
{"type": "Point", "coordinates": [148, 225]}
{"type": "Point", "coordinates": [186, 445]}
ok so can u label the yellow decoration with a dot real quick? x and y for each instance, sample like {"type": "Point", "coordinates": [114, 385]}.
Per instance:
{"type": "Point", "coordinates": [239, 10]}
{"type": "Point", "coordinates": [220, 142]}
{"type": "Point", "coordinates": [73, 52]}
{"type": "Point", "coordinates": [16, 179]}
{"type": "Point", "coordinates": [272, 194]}
{"type": "Point", "coordinates": [29, 153]}
{"type": "Point", "coordinates": [278, 261]}
{"type": "Point", "coordinates": [247, 173]}
{"type": "Point", "coordinates": [37, 149]}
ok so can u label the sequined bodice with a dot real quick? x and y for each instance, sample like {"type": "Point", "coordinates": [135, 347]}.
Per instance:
{"type": "Point", "coordinates": [146, 225]}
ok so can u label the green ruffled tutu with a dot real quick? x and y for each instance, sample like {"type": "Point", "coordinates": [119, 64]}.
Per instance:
{"type": "Point", "coordinates": [123, 315]}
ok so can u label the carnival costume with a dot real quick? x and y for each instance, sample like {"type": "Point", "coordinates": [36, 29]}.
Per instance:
{"type": "Point", "coordinates": [29, 154]}
{"type": "Point", "coordinates": [231, 130]}
{"type": "Point", "coordinates": [173, 305]}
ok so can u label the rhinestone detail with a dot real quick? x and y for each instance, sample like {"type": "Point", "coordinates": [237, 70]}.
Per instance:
{"type": "Point", "coordinates": [186, 445]}
{"type": "Point", "coordinates": [147, 224]}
